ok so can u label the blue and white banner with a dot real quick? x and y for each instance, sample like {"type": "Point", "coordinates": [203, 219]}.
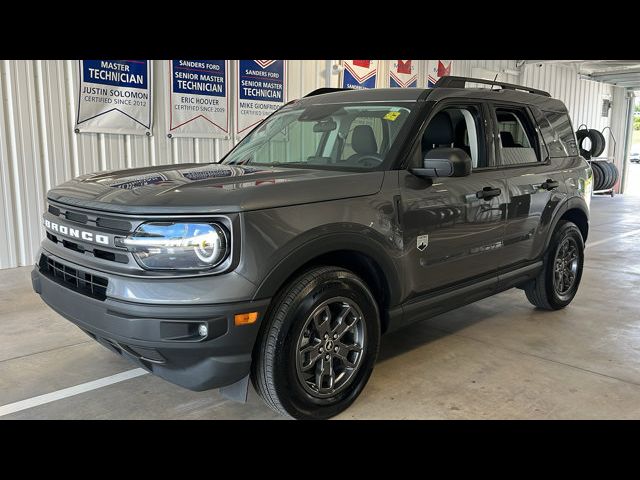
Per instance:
{"type": "Point", "coordinates": [199, 98]}
{"type": "Point", "coordinates": [359, 74]}
{"type": "Point", "coordinates": [403, 74]}
{"type": "Point", "coordinates": [261, 89]}
{"type": "Point", "coordinates": [115, 97]}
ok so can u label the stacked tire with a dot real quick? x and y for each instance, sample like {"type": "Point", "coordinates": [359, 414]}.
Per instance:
{"type": "Point", "coordinates": [595, 145]}
{"type": "Point", "coordinates": [605, 175]}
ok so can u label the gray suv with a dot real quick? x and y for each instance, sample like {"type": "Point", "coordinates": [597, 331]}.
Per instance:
{"type": "Point", "coordinates": [342, 216]}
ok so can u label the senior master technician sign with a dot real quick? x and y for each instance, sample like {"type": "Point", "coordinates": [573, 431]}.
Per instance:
{"type": "Point", "coordinates": [261, 91]}
{"type": "Point", "coordinates": [199, 100]}
{"type": "Point", "coordinates": [115, 97]}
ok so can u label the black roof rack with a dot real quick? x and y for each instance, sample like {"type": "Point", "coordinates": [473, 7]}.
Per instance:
{"type": "Point", "coordinates": [321, 91]}
{"type": "Point", "coordinates": [451, 81]}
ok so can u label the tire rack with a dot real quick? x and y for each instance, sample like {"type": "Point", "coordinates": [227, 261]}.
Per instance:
{"type": "Point", "coordinates": [611, 159]}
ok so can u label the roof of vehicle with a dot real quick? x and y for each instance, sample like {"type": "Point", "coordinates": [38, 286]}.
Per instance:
{"type": "Point", "coordinates": [497, 94]}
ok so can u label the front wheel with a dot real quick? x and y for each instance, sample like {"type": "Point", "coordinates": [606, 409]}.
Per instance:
{"type": "Point", "coordinates": [319, 344]}
{"type": "Point", "coordinates": [558, 282]}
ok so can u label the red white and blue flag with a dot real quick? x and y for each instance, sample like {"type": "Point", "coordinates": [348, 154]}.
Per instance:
{"type": "Point", "coordinates": [402, 74]}
{"type": "Point", "coordinates": [437, 69]}
{"type": "Point", "coordinates": [359, 74]}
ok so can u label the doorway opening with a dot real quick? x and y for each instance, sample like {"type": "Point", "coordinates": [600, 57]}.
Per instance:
{"type": "Point", "coordinates": [632, 170]}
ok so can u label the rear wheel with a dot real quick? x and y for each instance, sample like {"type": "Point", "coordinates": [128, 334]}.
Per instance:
{"type": "Point", "coordinates": [558, 282]}
{"type": "Point", "coordinates": [318, 346]}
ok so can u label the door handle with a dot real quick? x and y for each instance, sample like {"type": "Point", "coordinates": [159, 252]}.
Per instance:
{"type": "Point", "coordinates": [488, 193]}
{"type": "Point", "coordinates": [550, 184]}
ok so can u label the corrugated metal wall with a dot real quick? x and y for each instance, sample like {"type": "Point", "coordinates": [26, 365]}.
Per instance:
{"type": "Point", "coordinates": [582, 97]}
{"type": "Point", "coordinates": [38, 148]}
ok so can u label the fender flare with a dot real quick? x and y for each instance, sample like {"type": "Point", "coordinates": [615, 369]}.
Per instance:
{"type": "Point", "coordinates": [322, 245]}
{"type": "Point", "coordinates": [572, 203]}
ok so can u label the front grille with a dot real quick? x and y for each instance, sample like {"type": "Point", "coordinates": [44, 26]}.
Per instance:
{"type": "Point", "coordinates": [91, 219]}
{"type": "Point", "coordinates": [82, 282]}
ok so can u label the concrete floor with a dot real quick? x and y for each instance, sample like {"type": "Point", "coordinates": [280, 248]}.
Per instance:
{"type": "Point", "coordinates": [498, 358]}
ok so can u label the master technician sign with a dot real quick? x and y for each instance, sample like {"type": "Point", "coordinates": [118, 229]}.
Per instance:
{"type": "Point", "coordinates": [261, 91]}
{"type": "Point", "coordinates": [115, 97]}
{"type": "Point", "coordinates": [199, 99]}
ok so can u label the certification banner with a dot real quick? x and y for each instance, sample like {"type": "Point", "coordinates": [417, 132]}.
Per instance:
{"type": "Point", "coordinates": [437, 69]}
{"type": "Point", "coordinates": [115, 97]}
{"type": "Point", "coordinates": [359, 74]}
{"type": "Point", "coordinates": [199, 99]}
{"type": "Point", "coordinates": [261, 91]}
{"type": "Point", "coordinates": [402, 74]}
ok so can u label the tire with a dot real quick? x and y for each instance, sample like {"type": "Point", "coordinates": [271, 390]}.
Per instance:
{"type": "Point", "coordinates": [278, 366]}
{"type": "Point", "coordinates": [598, 142]}
{"type": "Point", "coordinates": [608, 175]}
{"type": "Point", "coordinates": [595, 138]}
{"type": "Point", "coordinates": [598, 176]}
{"type": "Point", "coordinates": [580, 136]}
{"type": "Point", "coordinates": [616, 174]}
{"type": "Point", "coordinates": [544, 292]}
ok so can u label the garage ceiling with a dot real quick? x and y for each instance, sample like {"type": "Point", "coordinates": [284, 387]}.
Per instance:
{"type": "Point", "coordinates": [622, 73]}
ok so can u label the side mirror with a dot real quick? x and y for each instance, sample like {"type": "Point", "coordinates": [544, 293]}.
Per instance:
{"type": "Point", "coordinates": [444, 162]}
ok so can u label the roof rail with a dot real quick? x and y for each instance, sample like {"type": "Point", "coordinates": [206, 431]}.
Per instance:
{"type": "Point", "coordinates": [451, 81]}
{"type": "Point", "coordinates": [321, 91]}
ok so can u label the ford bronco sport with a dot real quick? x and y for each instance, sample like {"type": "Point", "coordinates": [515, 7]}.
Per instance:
{"type": "Point", "coordinates": [343, 215]}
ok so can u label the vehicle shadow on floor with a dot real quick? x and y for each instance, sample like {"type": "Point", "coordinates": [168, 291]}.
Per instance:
{"type": "Point", "coordinates": [424, 332]}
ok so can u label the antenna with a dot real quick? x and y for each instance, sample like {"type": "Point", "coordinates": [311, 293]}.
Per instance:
{"type": "Point", "coordinates": [493, 83]}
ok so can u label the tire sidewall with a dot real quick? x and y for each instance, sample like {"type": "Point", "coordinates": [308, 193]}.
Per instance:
{"type": "Point", "coordinates": [296, 401]}
{"type": "Point", "coordinates": [568, 229]}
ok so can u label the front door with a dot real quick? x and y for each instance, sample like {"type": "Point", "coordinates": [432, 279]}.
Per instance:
{"type": "Point", "coordinates": [453, 227]}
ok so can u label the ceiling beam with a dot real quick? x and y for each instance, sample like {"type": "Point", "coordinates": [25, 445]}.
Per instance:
{"type": "Point", "coordinates": [614, 73]}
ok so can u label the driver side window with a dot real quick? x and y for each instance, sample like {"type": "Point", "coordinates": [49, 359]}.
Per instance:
{"type": "Point", "coordinates": [457, 127]}
{"type": "Point", "coordinates": [365, 133]}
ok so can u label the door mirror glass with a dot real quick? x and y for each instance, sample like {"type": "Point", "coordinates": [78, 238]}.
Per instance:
{"type": "Point", "coordinates": [444, 162]}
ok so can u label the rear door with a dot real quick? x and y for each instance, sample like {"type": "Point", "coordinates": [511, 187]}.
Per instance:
{"type": "Point", "coordinates": [534, 180]}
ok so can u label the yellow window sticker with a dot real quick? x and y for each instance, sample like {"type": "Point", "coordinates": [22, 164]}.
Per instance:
{"type": "Point", "coordinates": [391, 116]}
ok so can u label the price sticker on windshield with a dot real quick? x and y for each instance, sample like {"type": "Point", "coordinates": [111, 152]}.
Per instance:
{"type": "Point", "coordinates": [391, 116]}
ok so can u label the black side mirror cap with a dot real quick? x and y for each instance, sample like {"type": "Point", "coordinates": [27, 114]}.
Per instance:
{"type": "Point", "coordinates": [444, 162]}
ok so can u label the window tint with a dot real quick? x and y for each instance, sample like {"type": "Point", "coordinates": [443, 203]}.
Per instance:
{"type": "Point", "coordinates": [518, 138]}
{"type": "Point", "coordinates": [457, 127]}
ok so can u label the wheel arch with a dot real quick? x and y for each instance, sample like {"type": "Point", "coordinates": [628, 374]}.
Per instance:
{"type": "Point", "coordinates": [360, 254]}
{"type": "Point", "coordinates": [575, 210]}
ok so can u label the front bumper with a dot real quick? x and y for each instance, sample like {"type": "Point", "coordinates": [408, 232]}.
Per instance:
{"type": "Point", "coordinates": [163, 339]}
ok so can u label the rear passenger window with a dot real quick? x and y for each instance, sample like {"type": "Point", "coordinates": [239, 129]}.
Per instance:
{"type": "Point", "coordinates": [518, 138]}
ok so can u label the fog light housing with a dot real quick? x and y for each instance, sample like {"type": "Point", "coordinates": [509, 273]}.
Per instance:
{"type": "Point", "coordinates": [203, 330]}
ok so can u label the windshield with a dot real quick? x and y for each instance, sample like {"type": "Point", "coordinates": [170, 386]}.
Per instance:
{"type": "Point", "coordinates": [354, 136]}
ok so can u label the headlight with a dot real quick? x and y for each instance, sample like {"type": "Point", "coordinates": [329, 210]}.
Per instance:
{"type": "Point", "coordinates": [179, 246]}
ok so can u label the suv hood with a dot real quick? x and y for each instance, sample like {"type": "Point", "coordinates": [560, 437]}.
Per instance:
{"type": "Point", "coordinates": [211, 188]}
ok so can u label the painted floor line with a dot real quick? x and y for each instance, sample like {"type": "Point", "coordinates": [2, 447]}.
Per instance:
{"type": "Point", "coordinates": [70, 392]}
{"type": "Point", "coordinates": [613, 237]}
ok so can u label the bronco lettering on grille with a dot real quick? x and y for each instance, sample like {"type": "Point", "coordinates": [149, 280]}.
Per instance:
{"type": "Point", "coordinates": [75, 233]}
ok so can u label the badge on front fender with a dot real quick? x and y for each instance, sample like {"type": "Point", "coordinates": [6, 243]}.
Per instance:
{"type": "Point", "coordinates": [422, 242]}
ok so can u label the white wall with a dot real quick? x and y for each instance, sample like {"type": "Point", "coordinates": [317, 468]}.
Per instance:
{"type": "Point", "coordinates": [38, 148]}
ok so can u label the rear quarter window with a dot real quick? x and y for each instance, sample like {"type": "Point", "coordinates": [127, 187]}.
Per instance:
{"type": "Point", "coordinates": [557, 132]}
